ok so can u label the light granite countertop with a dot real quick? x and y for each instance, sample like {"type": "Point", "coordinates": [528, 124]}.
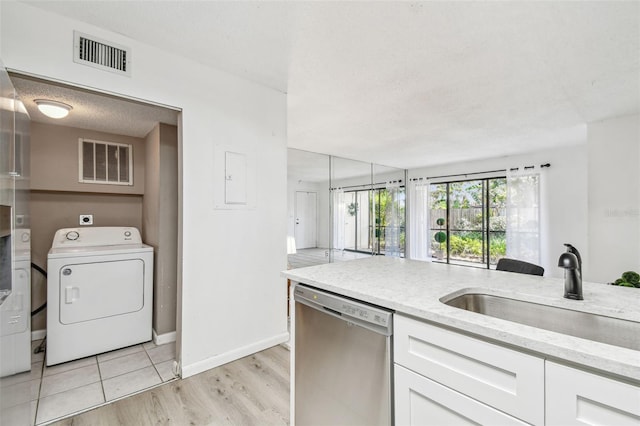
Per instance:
{"type": "Point", "coordinates": [415, 288]}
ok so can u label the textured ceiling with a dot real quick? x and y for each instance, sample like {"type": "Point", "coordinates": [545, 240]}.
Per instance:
{"type": "Point", "coordinates": [91, 110]}
{"type": "Point", "coordinates": [408, 84]}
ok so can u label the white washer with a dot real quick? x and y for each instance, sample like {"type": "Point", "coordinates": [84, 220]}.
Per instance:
{"type": "Point", "coordinates": [15, 312]}
{"type": "Point", "coordinates": [99, 292]}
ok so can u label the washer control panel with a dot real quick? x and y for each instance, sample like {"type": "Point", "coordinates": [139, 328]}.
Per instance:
{"type": "Point", "coordinates": [72, 235]}
{"type": "Point", "coordinates": [96, 236]}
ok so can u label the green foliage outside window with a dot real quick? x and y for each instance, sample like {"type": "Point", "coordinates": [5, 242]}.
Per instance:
{"type": "Point", "coordinates": [470, 230]}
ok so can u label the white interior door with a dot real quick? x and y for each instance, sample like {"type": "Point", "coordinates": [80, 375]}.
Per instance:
{"type": "Point", "coordinates": [305, 216]}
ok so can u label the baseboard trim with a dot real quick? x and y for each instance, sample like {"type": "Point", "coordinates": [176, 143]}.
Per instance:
{"type": "Point", "coordinates": [161, 339]}
{"type": "Point", "coordinates": [218, 360]}
{"type": "Point", "coordinates": [158, 339]}
{"type": "Point", "coordinates": [38, 334]}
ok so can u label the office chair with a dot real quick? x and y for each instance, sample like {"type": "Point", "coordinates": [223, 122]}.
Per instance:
{"type": "Point", "coordinates": [519, 266]}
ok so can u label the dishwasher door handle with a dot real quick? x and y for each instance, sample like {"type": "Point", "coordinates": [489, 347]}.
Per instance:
{"type": "Point", "coordinates": [333, 311]}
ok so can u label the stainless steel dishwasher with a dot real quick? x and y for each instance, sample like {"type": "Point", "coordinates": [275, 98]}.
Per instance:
{"type": "Point", "coordinates": [342, 360]}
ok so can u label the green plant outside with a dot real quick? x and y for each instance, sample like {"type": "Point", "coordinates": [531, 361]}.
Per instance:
{"type": "Point", "coordinates": [440, 237]}
{"type": "Point", "coordinates": [389, 213]}
{"type": "Point", "coordinates": [470, 247]}
{"type": "Point", "coordinates": [468, 226]}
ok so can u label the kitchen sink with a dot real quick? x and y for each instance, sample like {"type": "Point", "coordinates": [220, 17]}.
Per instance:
{"type": "Point", "coordinates": [600, 328]}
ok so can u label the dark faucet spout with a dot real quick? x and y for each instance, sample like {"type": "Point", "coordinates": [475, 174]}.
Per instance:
{"type": "Point", "coordinates": [572, 264]}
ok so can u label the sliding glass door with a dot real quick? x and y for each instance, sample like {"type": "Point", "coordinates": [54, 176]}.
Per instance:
{"type": "Point", "coordinates": [468, 221]}
{"type": "Point", "coordinates": [389, 232]}
{"type": "Point", "coordinates": [357, 221]}
{"type": "Point", "coordinates": [374, 221]}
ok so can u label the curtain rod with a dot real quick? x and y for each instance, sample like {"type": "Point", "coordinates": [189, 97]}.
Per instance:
{"type": "Point", "coordinates": [512, 169]}
{"type": "Point", "coordinates": [364, 185]}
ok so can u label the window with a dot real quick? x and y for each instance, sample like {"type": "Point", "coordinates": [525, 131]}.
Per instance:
{"type": "Point", "coordinates": [105, 162]}
{"type": "Point", "coordinates": [467, 221]}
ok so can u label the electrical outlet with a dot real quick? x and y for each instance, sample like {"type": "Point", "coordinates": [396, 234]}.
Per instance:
{"type": "Point", "coordinates": [86, 219]}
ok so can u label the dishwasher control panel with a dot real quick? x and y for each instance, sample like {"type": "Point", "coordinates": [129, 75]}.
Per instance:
{"type": "Point", "coordinates": [350, 309]}
{"type": "Point", "coordinates": [366, 313]}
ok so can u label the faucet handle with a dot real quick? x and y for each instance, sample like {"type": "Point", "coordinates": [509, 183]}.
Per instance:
{"type": "Point", "coordinates": [572, 249]}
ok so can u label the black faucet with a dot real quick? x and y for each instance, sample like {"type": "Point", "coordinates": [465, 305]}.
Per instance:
{"type": "Point", "coordinates": [572, 264]}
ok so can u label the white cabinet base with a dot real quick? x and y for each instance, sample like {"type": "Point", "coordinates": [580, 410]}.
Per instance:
{"type": "Point", "coordinates": [575, 397]}
{"type": "Point", "coordinates": [510, 381]}
{"type": "Point", "coordinates": [420, 401]}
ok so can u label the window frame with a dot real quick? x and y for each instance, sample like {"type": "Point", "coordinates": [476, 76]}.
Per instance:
{"type": "Point", "coordinates": [486, 227]}
{"type": "Point", "coordinates": [82, 179]}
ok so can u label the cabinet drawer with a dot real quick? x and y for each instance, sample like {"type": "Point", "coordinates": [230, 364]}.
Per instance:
{"type": "Point", "coordinates": [420, 401]}
{"type": "Point", "coordinates": [576, 397]}
{"type": "Point", "coordinates": [508, 380]}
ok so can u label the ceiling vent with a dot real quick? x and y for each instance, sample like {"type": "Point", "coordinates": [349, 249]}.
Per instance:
{"type": "Point", "coordinates": [101, 54]}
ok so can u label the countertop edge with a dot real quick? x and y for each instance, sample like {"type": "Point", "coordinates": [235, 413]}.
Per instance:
{"type": "Point", "coordinates": [604, 358]}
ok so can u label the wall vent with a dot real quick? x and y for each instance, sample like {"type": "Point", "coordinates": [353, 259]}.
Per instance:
{"type": "Point", "coordinates": [101, 54]}
{"type": "Point", "coordinates": [105, 162]}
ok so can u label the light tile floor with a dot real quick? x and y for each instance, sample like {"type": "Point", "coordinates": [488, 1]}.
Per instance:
{"type": "Point", "coordinates": [46, 393]}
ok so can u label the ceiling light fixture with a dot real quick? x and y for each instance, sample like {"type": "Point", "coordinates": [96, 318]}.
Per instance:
{"type": "Point", "coordinates": [53, 109]}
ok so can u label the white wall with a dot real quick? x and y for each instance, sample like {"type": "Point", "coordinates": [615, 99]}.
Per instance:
{"type": "Point", "coordinates": [232, 300]}
{"type": "Point", "coordinates": [614, 197]}
{"type": "Point", "coordinates": [563, 197]}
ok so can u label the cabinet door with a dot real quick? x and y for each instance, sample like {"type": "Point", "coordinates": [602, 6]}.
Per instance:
{"type": "Point", "coordinates": [502, 378]}
{"type": "Point", "coordinates": [420, 401]}
{"type": "Point", "coordinates": [575, 397]}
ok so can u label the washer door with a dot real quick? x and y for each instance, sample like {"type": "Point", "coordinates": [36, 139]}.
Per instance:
{"type": "Point", "coordinates": [90, 291]}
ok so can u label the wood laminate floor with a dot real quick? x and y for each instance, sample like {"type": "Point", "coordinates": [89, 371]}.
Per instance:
{"type": "Point", "coordinates": [250, 391]}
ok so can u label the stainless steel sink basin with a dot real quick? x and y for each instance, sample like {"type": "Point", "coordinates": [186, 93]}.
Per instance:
{"type": "Point", "coordinates": [600, 328]}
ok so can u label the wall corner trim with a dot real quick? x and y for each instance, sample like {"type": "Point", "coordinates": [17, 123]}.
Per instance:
{"type": "Point", "coordinates": [161, 339]}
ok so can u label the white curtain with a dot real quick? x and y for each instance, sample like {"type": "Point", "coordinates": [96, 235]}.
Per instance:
{"type": "Point", "coordinates": [392, 228]}
{"type": "Point", "coordinates": [419, 241]}
{"type": "Point", "coordinates": [523, 215]}
{"type": "Point", "coordinates": [339, 209]}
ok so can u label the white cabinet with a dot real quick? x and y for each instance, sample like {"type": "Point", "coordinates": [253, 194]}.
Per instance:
{"type": "Point", "coordinates": [421, 401]}
{"type": "Point", "coordinates": [575, 397]}
{"type": "Point", "coordinates": [504, 379]}
{"type": "Point", "coordinates": [443, 377]}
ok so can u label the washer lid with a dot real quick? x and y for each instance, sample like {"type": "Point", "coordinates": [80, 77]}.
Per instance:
{"type": "Point", "coordinates": [96, 236]}
{"type": "Point", "coordinates": [64, 252]}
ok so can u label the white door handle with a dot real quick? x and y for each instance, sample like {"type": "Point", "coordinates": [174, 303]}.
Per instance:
{"type": "Point", "coordinates": [71, 294]}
